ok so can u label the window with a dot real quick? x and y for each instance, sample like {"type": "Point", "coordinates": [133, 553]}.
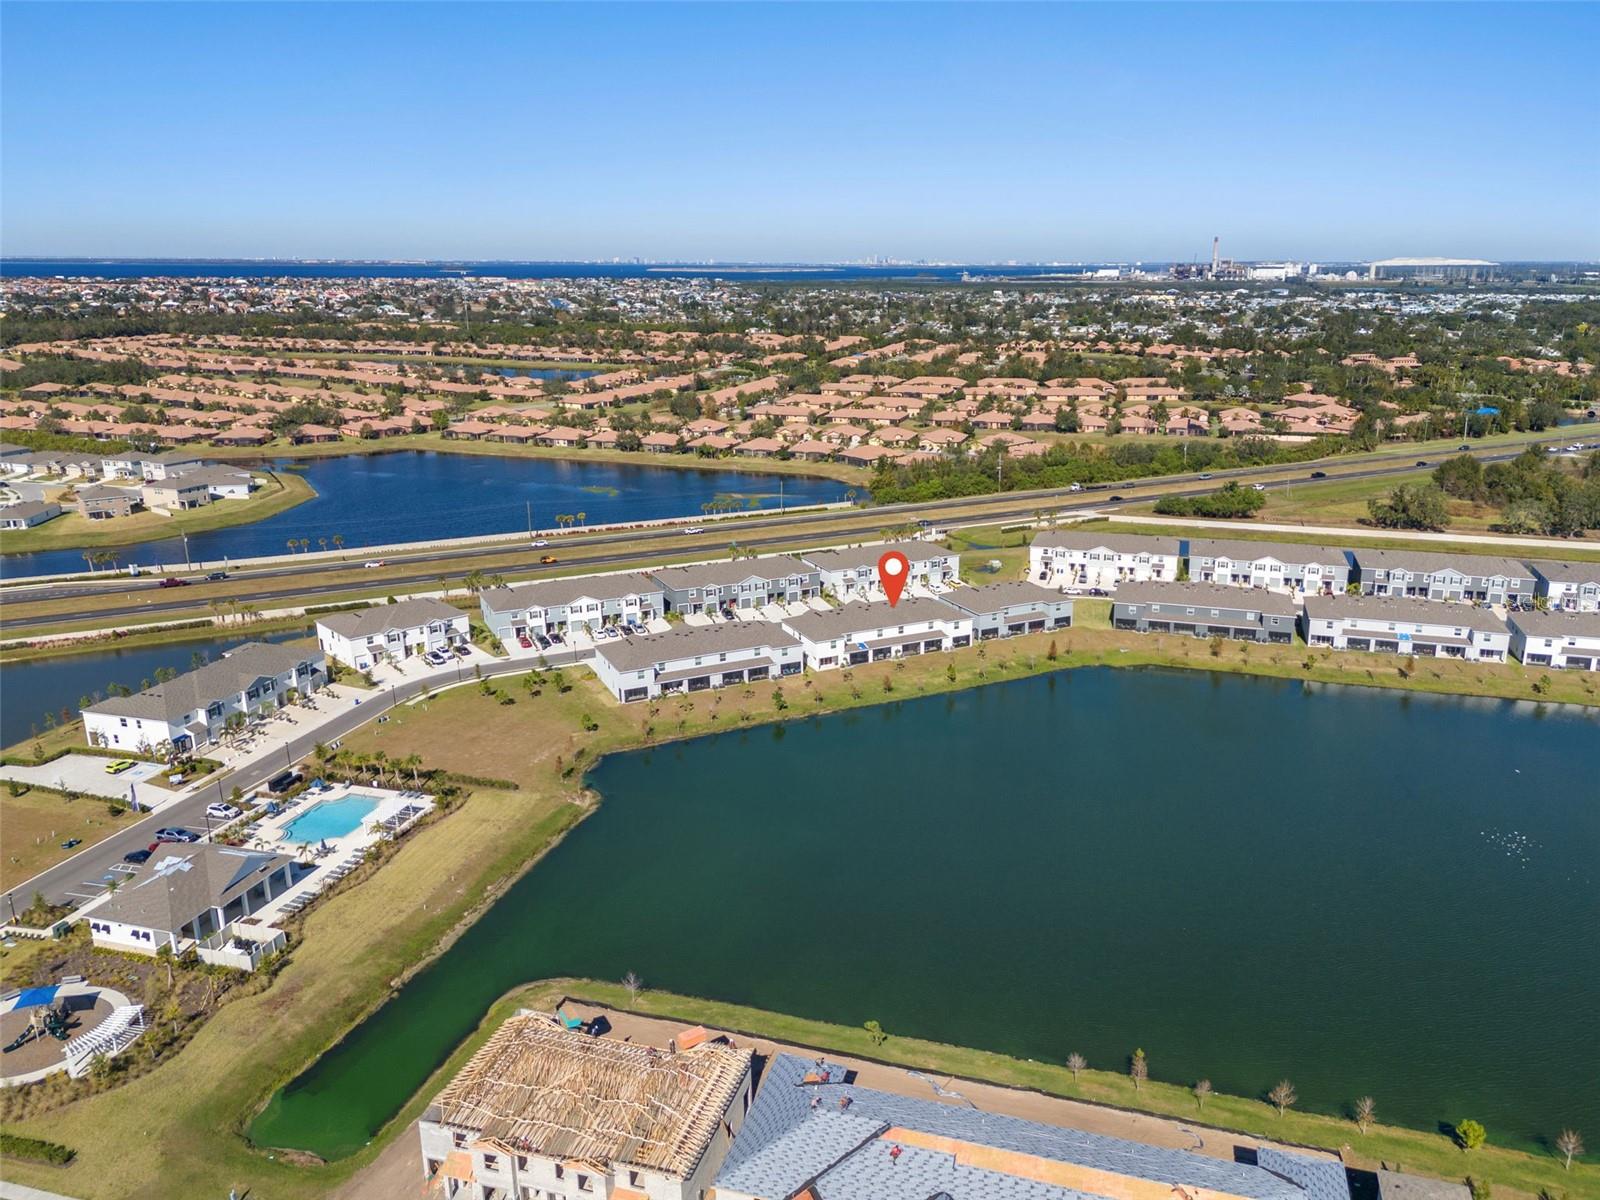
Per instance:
{"type": "Point", "coordinates": [585, 1184]}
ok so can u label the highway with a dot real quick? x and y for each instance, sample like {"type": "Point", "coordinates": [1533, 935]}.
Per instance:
{"type": "Point", "coordinates": [600, 550]}
{"type": "Point", "coordinates": [84, 874]}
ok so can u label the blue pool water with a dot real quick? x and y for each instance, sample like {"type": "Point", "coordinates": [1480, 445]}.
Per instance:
{"type": "Point", "coordinates": [330, 819]}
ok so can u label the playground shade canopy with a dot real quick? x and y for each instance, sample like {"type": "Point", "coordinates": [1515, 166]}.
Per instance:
{"type": "Point", "coordinates": [35, 997]}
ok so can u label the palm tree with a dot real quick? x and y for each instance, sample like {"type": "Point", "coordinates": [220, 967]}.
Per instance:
{"type": "Point", "coordinates": [291, 543]}
{"type": "Point", "coordinates": [323, 543]}
{"type": "Point", "coordinates": [338, 541]}
{"type": "Point", "coordinates": [305, 544]}
{"type": "Point", "coordinates": [582, 517]}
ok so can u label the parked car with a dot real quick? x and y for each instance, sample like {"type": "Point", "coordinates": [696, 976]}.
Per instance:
{"type": "Point", "coordinates": [174, 834]}
{"type": "Point", "coordinates": [71, 843]}
{"type": "Point", "coordinates": [173, 581]}
{"type": "Point", "coordinates": [136, 856]}
{"type": "Point", "coordinates": [216, 576]}
{"type": "Point", "coordinates": [119, 766]}
{"type": "Point", "coordinates": [544, 642]}
{"type": "Point", "coordinates": [223, 812]}
{"type": "Point", "coordinates": [525, 642]}
{"type": "Point", "coordinates": [373, 565]}
{"type": "Point", "coordinates": [462, 650]}
{"type": "Point", "coordinates": [556, 638]}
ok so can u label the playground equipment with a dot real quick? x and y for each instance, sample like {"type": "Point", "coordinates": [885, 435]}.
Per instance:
{"type": "Point", "coordinates": [46, 1020]}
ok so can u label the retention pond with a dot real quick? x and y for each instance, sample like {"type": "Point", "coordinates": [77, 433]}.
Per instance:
{"type": "Point", "coordinates": [1367, 892]}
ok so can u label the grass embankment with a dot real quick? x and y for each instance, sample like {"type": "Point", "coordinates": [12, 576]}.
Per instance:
{"type": "Point", "coordinates": [179, 1130]}
{"type": "Point", "coordinates": [71, 531]}
{"type": "Point", "coordinates": [118, 640]}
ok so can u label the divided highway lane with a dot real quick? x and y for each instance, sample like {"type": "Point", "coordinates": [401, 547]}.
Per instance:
{"type": "Point", "coordinates": [854, 524]}
{"type": "Point", "coordinates": [21, 591]}
{"type": "Point", "coordinates": [82, 875]}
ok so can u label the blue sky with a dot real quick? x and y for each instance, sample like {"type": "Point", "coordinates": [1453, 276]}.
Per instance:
{"type": "Point", "coordinates": [773, 131]}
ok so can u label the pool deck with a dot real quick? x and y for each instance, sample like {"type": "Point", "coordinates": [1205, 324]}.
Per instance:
{"type": "Point", "coordinates": [334, 858]}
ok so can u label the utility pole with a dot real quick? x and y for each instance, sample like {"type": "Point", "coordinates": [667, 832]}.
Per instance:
{"type": "Point", "coordinates": [530, 520]}
{"type": "Point", "coordinates": [184, 534]}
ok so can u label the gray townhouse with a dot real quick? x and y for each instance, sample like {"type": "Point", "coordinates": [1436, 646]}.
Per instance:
{"type": "Point", "coordinates": [1567, 641]}
{"type": "Point", "coordinates": [696, 658]}
{"type": "Point", "coordinates": [1569, 586]}
{"type": "Point", "coordinates": [853, 634]}
{"type": "Point", "coordinates": [563, 605]}
{"type": "Point", "coordinates": [1007, 609]}
{"type": "Point", "coordinates": [1205, 610]}
{"type": "Point", "coordinates": [854, 571]}
{"type": "Point", "coordinates": [741, 583]}
{"type": "Point", "coordinates": [1405, 625]}
{"type": "Point", "coordinates": [364, 638]}
{"type": "Point", "coordinates": [1279, 566]}
{"type": "Point", "coordinates": [1434, 576]}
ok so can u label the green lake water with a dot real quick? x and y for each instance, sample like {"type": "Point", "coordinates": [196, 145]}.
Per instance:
{"type": "Point", "coordinates": [1363, 891]}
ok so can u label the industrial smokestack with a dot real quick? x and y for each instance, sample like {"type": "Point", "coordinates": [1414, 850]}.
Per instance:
{"type": "Point", "coordinates": [1216, 254]}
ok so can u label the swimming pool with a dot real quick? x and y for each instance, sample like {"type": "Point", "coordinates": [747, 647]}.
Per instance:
{"type": "Point", "coordinates": [330, 819]}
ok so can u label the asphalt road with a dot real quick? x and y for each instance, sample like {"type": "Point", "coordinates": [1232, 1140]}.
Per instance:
{"type": "Point", "coordinates": [593, 550]}
{"type": "Point", "coordinates": [83, 875]}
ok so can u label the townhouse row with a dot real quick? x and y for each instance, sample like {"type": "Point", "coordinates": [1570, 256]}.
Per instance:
{"type": "Point", "coordinates": [590, 603]}
{"type": "Point", "coordinates": [1412, 625]}
{"type": "Point", "coordinates": [690, 658]}
{"type": "Point", "coordinates": [1086, 558]}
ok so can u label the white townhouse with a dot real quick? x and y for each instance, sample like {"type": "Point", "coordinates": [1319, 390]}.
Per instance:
{"type": "Point", "coordinates": [1087, 558]}
{"type": "Point", "coordinates": [222, 483]}
{"type": "Point", "coordinates": [28, 513]}
{"type": "Point", "coordinates": [192, 709]}
{"type": "Point", "coordinates": [170, 464]}
{"type": "Point", "coordinates": [853, 571]}
{"type": "Point", "coordinates": [1569, 586]}
{"type": "Point", "coordinates": [1405, 625]}
{"type": "Point", "coordinates": [366, 637]}
{"type": "Point", "coordinates": [853, 634]}
{"type": "Point", "coordinates": [566, 605]}
{"type": "Point", "coordinates": [1277, 566]}
{"type": "Point", "coordinates": [690, 658]}
{"type": "Point", "coordinates": [544, 1112]}
{"type": "Point", "coordinates": [126, 465]}
{"type": "Point", "coordinates": [740, 583]}
{"type": "Point", "coordinates": [1563, 640]}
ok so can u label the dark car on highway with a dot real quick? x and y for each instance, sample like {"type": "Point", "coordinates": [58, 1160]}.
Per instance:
{"type": "Point", "coordinates": [1319, 474]}
{"type": "Point", "coordinates": [174, 581]}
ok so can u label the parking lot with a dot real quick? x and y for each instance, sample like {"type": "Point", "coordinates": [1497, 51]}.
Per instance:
{"type": "Point", "coordinates": [86, 773]}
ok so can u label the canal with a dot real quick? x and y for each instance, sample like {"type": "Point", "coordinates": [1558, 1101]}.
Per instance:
{"type": "Point", "coordinates": [1367, 892]}
{"type": "Point", "coordinates": [56, 686]}
{"type": "Point", "coordinates": [408, 495]}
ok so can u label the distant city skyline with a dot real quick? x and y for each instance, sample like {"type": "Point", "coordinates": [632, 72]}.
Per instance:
{"type": "Point", "coordinates": [797, 133]}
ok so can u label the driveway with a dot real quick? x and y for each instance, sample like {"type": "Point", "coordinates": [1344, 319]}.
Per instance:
{"type": "Point", "coordinates": [85, 773]}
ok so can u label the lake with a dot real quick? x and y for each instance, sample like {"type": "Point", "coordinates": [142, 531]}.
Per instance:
{"type": "Point", "coordinates": [408, 495]}
{"type": "Point", "coordinates": [1366, 892]}
{"type": "Point", "coordinates": [49, 685]}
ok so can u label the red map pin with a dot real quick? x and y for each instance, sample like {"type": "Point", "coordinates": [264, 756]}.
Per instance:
{"type": "Point", "coordinates": [892, 571]}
